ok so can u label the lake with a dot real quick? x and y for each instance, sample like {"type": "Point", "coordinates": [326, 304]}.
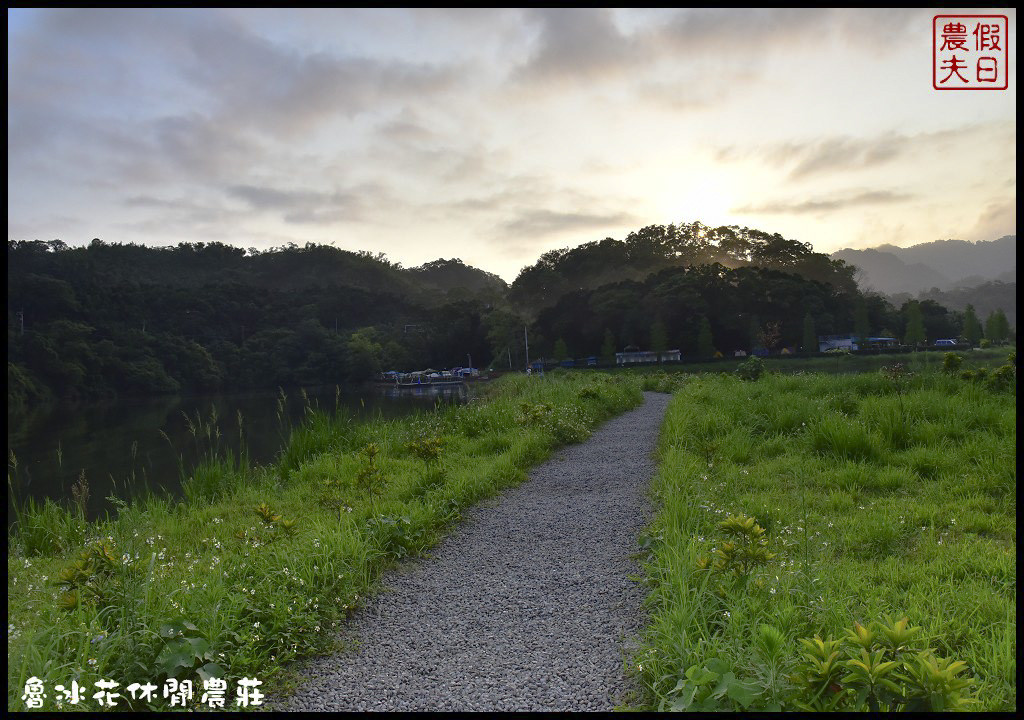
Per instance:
{"type": "Point", "coordinates": [131, 444]}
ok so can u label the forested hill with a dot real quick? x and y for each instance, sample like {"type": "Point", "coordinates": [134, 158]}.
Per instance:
{"type": "Point", "coordinates": [657, 247]}
{"type": "Point", "coordinates": [125, 318]}
{"type": "Point", "coordinates": [111, 319]}
{"type": "Point", "coordinates": [453, 275]}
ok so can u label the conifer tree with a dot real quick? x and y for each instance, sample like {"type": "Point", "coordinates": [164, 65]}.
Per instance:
{"type": "Point", "coordinates": [972, 326]}
{"type": "Point", "coordinates": [608, 348]}
{"type": "Point", "coordinates": [915, 324]}
{"type": "Point", "coordinates": [810, 343]}
{"type": "Point", "coordinates": [705, 341]}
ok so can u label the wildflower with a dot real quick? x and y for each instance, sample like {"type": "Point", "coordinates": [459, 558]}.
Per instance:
{"type": "Point", "coordinates": [726, 613]}
{"type": "Point", "coordinates": [92, 662]}
{"type": "Point", "coordinates": [256, 624]}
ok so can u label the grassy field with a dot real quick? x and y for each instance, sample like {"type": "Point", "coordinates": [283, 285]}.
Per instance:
{"type": "Point", "coordinates": [255, 567]}
{"type": "Point", "coordinates": [876, 497]}
{"type": "Point", "coordinates": [843, 363]}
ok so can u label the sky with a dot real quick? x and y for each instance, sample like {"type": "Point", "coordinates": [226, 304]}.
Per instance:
{"type": "Point", "coordinates": [495, 135]}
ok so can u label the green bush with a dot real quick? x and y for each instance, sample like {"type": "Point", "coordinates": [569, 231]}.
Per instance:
{"type": "Point", "coordinates": [951, 363]}
{"type": "Point", "coordinates": [750, 369]}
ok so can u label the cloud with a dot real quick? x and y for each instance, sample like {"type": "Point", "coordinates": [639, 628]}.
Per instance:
{"type": "Point", "coordinates": [305, 206]}
{"type": "Point", "coordinates": [127, 76]}
{"type": "Point", "coordinates": [750, 31]}
{"type": "Point", "coordinates": [842, 153]}
{"type": "Point", "coordinates": [547, 222]}
{"type": "Point", "coordinates": [577, 44]}
{"type": "Point", "coordinates": [872, 197]}
{"type": "Point", "coordinates": [997, 219]}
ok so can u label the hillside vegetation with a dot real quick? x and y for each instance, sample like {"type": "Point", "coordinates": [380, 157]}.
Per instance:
{"type": "Point", "coordinates": [114, 319]}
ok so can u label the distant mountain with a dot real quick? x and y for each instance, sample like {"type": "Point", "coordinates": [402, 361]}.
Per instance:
{"type": "Point", "coordinates": [985, 297]}
{"type": "Point", "coordinates": [943, 264]}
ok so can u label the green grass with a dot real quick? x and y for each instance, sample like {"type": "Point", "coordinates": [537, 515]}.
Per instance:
{"type": "Point", "coordinates": [210, 584]}
{"type": "Point", "coordinates": [926, 360]}
{"type": "Point", "coordinates": [877, 496]}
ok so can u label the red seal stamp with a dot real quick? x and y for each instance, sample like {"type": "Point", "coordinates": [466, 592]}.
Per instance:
{"type": "Point", "coordinates": [970, 52]}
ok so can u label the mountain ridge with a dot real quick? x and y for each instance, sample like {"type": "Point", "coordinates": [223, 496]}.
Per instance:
{"type": "Point", "coordinates": [942, 264]}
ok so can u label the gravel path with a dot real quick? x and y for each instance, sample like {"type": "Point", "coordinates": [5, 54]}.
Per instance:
{"type": "Point", "coordinates": [528, 605]}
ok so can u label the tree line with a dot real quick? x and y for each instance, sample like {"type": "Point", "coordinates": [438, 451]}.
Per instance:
{"type": "Point", "coordinates": [113, 319]}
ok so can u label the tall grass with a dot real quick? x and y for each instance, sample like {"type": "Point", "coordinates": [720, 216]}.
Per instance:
{"type": "Point", "coordinates": [257, 563]}
{"type": "Point", "coordinates": [876, 498]}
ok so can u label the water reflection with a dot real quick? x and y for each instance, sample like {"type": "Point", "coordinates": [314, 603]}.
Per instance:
{"type": "Point", "coordinates": [128, 445]}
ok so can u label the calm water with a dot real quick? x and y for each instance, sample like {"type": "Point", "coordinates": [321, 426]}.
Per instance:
{"type": "Point", "coordinates": [121, 447]}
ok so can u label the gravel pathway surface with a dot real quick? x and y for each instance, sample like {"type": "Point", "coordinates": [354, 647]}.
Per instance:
{"type": "Point", "coordinates": [528, 605]}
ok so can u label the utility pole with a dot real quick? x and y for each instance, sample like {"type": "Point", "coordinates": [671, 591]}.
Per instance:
{"type": "Point", "coordinates": [527, 339]}
{"type": "Point", "coordinates": [21, 320]}
{"type": "Point", "coordinates": [470, 359]}
{"type": "Point", "coordinates": [509, 348]}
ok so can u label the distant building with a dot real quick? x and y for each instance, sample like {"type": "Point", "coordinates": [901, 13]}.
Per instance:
{"type": "Point", "coordinates": [831, 342]}
{"type": "Point", "coordinates": [849, 342]}
{"type": "Point", "coordinates": [646, 356]}
{"type": "Point", "coordinates": [878, 343]}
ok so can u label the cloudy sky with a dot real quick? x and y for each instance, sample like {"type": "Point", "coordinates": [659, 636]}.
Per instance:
{"type": "Point", "coordinates": [496, 135]}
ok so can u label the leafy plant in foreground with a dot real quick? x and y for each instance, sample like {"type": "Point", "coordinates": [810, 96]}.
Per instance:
{"type": "Point", "coordinates": [881, 667]}
{"type": "Point", "coordinates": [748, 549]}
{"type": "Point", "coordinates": [90, 578]}
{"type": "Point", "coordinates": [183, 650]}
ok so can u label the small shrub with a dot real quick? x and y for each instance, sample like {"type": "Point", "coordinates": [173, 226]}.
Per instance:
{"type": "Point", "coordinates": [90, 579]}
{"type": "Point", "coordinates": [951, 363]}
{"type": "Point", "coordinates": [750, 369]}
{"type": "Point", "coordinates": [1003, 378]}
{"type": "Point", "coordinates": [746, 551]}
{"type": "Point", "coordinates": [370, 479]}
{"type": "Point", "coordinates": [427, 448]}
